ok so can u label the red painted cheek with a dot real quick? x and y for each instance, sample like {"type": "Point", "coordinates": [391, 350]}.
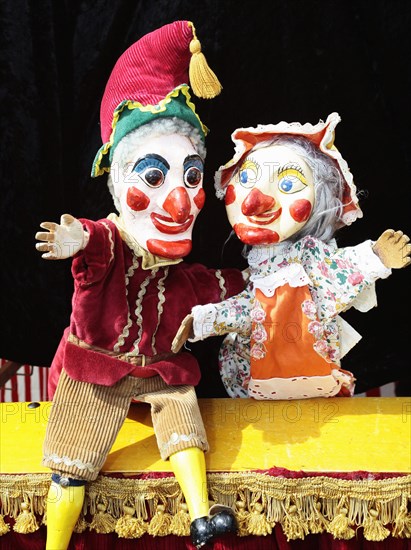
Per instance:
{"type": "Point", "coordinates": [199, 199]}
{"type": "Point", "coordinates": [300, 210]}
{"type": "Point", "coordinates": [136, 199]}
{"type": "Point", "coordinates": [230, 195]}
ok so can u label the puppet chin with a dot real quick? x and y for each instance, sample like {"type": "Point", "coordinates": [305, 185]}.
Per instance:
{"type": "Point", "coordinates": [255, 235]}
{"type": "Point", "coordinates": [169, 249]}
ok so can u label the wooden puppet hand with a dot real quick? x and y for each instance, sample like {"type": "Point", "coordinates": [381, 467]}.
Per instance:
{"type": "Point", "coordinates": [246, 274]}
{"type": "Point", "coordinates": [393, 249]}
{"type": "Point", "coordinates": [61, 241]}
{"type": "Point", "coordinates": [184, 333]}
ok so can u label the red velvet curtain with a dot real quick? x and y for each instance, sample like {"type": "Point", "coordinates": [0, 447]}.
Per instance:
{"type": "Point", "coordinates": [277, 541]}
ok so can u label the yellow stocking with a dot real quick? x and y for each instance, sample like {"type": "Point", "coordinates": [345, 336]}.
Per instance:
{"type": "Point", "coordinates": [190, 471]}
{"type": "Point", "coordinates": [63, 509]}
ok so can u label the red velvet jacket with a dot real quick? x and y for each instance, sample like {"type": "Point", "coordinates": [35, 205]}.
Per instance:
{"type": "Point", "coordinates": [120, 308]}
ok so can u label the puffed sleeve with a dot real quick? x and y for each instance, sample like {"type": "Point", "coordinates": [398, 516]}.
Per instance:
{"type": "Point", "coordinates": [92, 264]}
{"type": "Point", "coordinates": [231, 315]}
{"type": "Point", "coordinates": [341, 277]}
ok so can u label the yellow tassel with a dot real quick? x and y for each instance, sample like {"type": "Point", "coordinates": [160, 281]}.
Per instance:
{"type": "Point", "coordinates": [242, 518]}
{"type": "Point", "coordinates": [317, 523]}
{"type": "Point", "coordinates": [160, 523]}
{"type": "Point", "coordinates": [257, 523]}
{"type": "Point", "coordinates": [129, 527]}
{"type": "Point", "coordinates": [26, 521]}
{"type": "Point", "coordinates": [203, 80]}
{"type": "Point", "coordinates": [339, 526]}
{"type": "Point", "coordinates": [293, 526]}
{"type": "Point", "coordinates": [81, 525]}
{"type": "Point", "coordinates": [373, 527]}
{"type": "Point", "coordinates": [102, 522]}
{"type": "Point", "coordinates": [402, 523]}
{"type": "Point", "coordinates": [180, 524]}
{"type": "Point", "coordinates": [4, 528]}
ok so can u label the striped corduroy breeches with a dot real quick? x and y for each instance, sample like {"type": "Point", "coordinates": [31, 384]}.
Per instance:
{"type": "Point", "coordinates": [86, 418]}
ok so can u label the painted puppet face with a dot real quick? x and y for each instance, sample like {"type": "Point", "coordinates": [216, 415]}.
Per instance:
{"type": "Point", "coordinates": [271, 197]}
{"type": "Point", "coordinates": [161, 193]}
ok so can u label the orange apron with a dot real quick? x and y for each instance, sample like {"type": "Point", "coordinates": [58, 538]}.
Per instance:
{"type": "Point", "coordinates": [284, 340]}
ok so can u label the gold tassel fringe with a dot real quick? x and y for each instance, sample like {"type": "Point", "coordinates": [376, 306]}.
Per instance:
{"type": "Point", "coordinates": [402, 523]}
{"type": "Point", "coordinates": [373, 527]}
{"type": "Point", "coordinates": [294, 526]}
{"type": "Point", "coordinates": [81, 525]}
{"type": "Point", "coordinates": [180, 523]}
{"type": "Point", "coordinates": [26, 521]}
{"type": "Point", "coordinates": [128, 526]}
{"type": "Point", "coordinates": [132, 507]}
{"type": "Point", "coordinates": [317, 522]}
{"type": "Point", "coordinates": [160, 523]}
{"type": "Point", "coordinates": [242, 517]}
{"type": "Point", "coordinates": [339, 527]}
{"type": "Point", "coordinates": [203, 80]}
{"type": "Point", "coordinates": [102, 521]}
{"type": "Point", "coordinates": [4, 527]}
{"type": "Point", "coordinates": [256, 522]}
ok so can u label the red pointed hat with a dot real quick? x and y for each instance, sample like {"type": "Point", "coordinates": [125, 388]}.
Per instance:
{"type": "Point", "coordinates": [151, 80]}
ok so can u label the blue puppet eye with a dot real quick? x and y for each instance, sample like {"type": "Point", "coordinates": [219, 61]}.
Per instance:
{"type": "Point", "coordinates": [152, 169]}
{"type": "Point", "coordinates": [291, 184]}
{"type": "Point", "coordinates": [286, 185]}
{"type": "Point", "coordinates": [291, 179]}
{"type": "Point", "coordinates": [249, 173]}
{"type": "Point", "coordinates": [193, 171]}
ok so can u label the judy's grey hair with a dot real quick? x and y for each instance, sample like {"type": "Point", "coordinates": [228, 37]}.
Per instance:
{"type": "Point", "coordinates": [328, 185]}
{"type": "Point", "coordinates": [123, 154]}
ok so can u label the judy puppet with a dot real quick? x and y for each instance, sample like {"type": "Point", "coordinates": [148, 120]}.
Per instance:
{"type": "Point", "coordinates": [287, 190]}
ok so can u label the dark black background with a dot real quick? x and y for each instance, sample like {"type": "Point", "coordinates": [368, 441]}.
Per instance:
{"type": "Point", "coordinates": [280, 60]}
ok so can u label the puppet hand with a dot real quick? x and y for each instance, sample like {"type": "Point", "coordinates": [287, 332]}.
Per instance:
{"type": "Point", "coordinates": [61, 241]}
{"type": "Point", "coordinates": [393, 249]}
{"type": "Point", "coordinates": [246, 274]}
{"type": "Point", "coordinates": [184, 333]}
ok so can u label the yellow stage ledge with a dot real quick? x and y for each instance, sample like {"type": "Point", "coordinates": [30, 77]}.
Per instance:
{"type": "Point", "coordinates": [316, 435]}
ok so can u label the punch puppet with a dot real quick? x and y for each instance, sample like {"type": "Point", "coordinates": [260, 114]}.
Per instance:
{"type": "Point", "coordinates": [132, 289]}
{"type": "Point", "coordinates": [287, 190]}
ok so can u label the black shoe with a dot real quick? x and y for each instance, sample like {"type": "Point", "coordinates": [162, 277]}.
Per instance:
{"type": "Point", "coordinates": [224, 522]}
{"type": "Point", "coordinates": [201, 531]}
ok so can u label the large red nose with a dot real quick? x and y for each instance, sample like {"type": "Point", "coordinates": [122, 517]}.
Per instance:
{"type": "Point", "coordinates": [257, 203]}
{"type": "Point", "coordinates": [178, 205]}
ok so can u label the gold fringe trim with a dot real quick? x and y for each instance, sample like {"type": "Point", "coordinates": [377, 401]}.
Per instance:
{"type": "Point", "coordinates": [26, 521]}
{"type": "Point", "coordinates": [128, 526]}
{"type": "Point", "coordinates": [4, 528]}
{"type": "Point", "coordinates": [132, 507]}
{"type": "Point", "coordinates": [340, 525]}
{"type": "Point", "coordinates": [180, 523]}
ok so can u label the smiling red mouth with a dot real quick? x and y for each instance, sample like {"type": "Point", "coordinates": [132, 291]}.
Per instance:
{"type": "Point", "coordinates": [265, 219]}
{"type": "Point", "coordinates": [168, 226]}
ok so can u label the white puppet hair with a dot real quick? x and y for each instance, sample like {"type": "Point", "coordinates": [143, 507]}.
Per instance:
{"type": "Point", "coordinates": [328, 184]}
{"type": "Point", "coordinates": [160, 127]}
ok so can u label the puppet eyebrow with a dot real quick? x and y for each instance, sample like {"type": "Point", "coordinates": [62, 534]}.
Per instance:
{"type": "Point", "coordinates": [155, 157]}
{"type": "Point", "coordinates": [193, 157]}
{"type": "Point", "coordinates": [291, 166]}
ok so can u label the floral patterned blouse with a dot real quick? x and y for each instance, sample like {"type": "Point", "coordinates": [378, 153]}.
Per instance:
{"type": "Point", "coordinates": [328, 280]}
